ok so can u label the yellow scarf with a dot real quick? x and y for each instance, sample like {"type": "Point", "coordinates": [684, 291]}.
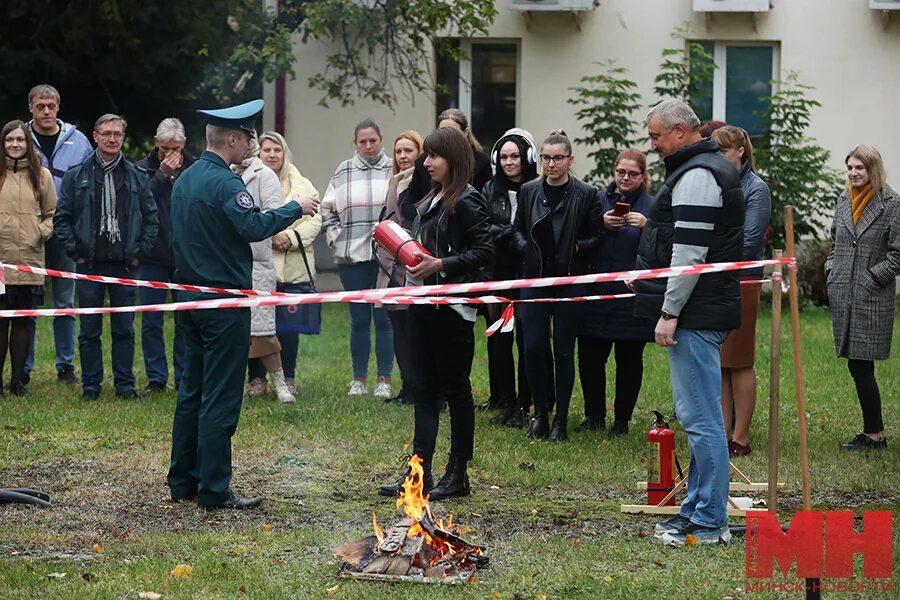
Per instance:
{"type": "Point", "coordinates": [859, 200]}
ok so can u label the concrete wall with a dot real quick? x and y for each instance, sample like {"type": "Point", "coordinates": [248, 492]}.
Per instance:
{"type": "Point", "coordinates": [849, 52]}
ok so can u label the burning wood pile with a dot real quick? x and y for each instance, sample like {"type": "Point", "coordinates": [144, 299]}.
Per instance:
{"type": "Point", "coordinates": [418, 548]}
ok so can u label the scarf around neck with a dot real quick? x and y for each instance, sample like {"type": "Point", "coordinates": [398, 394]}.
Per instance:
{"type": "Point", "coordinates": [859, 200]}
{"type": "Point", "coordinates": [374, 160]}
{"type": "Point", "coordinates": [109, 221]}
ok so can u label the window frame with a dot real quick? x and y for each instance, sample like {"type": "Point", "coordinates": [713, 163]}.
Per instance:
{"type": "Point", "coordinates": [465, 73]}
{"type": "Point", "coordinates": [720, 75]}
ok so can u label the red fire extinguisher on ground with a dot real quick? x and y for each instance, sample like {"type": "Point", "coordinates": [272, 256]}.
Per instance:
{"type": "Point", "coordinates": [660, 462]}
{"type": "Point", "coordinates": [398, 243]}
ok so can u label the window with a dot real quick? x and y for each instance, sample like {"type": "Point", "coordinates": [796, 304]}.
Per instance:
{"type": "Point", "coordinates": [483, 85]}
{"type": "Point", "coordinates": [740, 81]}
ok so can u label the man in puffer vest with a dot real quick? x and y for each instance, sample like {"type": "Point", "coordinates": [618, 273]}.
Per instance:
{"type": "Point", "coordinates": [698, 218]}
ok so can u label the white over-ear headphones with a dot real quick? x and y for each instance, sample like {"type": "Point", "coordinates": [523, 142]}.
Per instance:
{"type": "Point", "coordinates": [530, 154]}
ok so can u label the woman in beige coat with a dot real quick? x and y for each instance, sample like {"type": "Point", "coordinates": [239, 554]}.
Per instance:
{"type": "Point", "coordinates": [263, 185]}
{"type": "Point", "coordinates": [290, 245]}
{"type": "Point", "coordinates": [27, 204]}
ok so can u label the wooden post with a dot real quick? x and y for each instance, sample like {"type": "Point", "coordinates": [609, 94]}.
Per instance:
{"type": "Point", "coordinates": [774, 384]}
{"type": "Point", "coordinates": [813, 585]}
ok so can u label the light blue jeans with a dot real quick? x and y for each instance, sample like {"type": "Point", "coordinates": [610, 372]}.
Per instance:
{"type": "Point", "coordinates": [362, 276]}
{"type": "Point", "coordinates": [697, 387]}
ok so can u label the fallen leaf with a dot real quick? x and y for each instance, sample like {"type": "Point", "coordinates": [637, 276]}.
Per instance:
{"type": "Point", "coordinates": [87, 576]}
{"type": "Point", "coordinates": [182, 571]}
{"type": "Point", "coordinates": [541, 597]}
{"type": "Point", "coordinates": [333, 590]}
{"type": "Point", "coordinates": [149, 595]}
{"type": "Point", "coordinates": [607, 578]}
{"type": "Point", "coordinates": [55, 575]}
{"type": "Point", "coordinates": [497, 596]}
{"type": "Point", "coordinates": [277, 561]}
{"type": "Point", "coordinates": [267, 527]}
{"type": "Point", "coordinates": [242, 590]}
{"type": "Point", "coordinates": [473, 579]}
{"type": "Point", "coordinates": [576, 542]}
{"type": "Point", "coordinates": [97, 548]}
{"type": "Point", "coordinates": [690, 540]}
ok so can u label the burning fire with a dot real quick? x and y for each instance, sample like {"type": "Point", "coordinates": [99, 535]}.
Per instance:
{"type": "Point", "coordinates": [416, 507]}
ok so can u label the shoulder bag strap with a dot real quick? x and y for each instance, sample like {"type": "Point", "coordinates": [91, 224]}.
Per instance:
{"type": "Point", "coordinates": [305, 260]}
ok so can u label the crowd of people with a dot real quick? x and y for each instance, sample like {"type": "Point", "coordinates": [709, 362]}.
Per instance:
{"type": "Point", "coordinates": [515, 212]}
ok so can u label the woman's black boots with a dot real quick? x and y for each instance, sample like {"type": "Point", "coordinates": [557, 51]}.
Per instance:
{"type": "Point", "coordinates": [393, 488]}
{"type": "Point", "coordinates": [454, 483]}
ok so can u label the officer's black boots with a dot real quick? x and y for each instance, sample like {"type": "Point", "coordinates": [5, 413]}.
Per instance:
{"type": "Point", "coordinates": [236, 502]}
{"type": "Point", "coordinates": [540, 425]}
{"type": "Point", "coordinates": [558, 431]}
{"type": "Point", "coordinates": [454, 483]}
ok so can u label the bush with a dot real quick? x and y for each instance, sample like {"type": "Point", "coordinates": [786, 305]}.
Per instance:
{"type": "Point", "coordinates": [811, 256]}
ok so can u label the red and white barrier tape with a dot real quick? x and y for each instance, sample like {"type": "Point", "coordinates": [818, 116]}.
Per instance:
{"type": "Point", "coordinates": [428, 290]}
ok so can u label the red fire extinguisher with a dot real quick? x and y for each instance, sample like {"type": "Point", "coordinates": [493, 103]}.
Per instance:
{"type": "Point", "coordinates": [398, 243]}
{"type": "Point", "coordinates": [660, 462]}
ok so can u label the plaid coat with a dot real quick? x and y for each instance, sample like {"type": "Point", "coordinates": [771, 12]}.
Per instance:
{"type": "Point", "coordinates": [860, 273]}
{"type": "Point", "coordinates": [352, 207]}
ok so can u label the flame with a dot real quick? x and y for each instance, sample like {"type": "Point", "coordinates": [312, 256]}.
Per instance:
{"type": "Point", "coordinates": [378, 533]}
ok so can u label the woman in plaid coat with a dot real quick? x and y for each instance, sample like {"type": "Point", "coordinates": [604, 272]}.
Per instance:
{"type": "Point", "coordinates": [860, 273]}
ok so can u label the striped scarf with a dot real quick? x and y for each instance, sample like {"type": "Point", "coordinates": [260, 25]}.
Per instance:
{"type": "Point", "coordinates": [109, 222]}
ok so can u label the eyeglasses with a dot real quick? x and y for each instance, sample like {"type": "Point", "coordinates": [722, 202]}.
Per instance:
{"type": "Point", "coordinates": [631, 174]}
{"type": "Point", "coordinates": [116, 135]}
{"type": "Point", "coordinates": [556, 160]}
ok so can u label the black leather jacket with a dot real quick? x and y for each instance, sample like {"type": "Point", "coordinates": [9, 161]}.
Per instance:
{"type": "Point", "coordinates": [581, 229]}
{"type": "Point", "coordinates": [507, 262]}
{"type": "Point", "coordinates": [462, 240]}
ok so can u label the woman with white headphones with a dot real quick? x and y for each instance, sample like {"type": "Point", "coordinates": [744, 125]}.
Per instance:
{"type": "Point", "coordinates": [514, 159]}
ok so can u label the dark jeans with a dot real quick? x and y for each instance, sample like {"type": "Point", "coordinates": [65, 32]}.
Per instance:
{"type": "Point", "coordinates": [90, 295]}
{"type": "Point", "coordinates": [502, 366]}
{"type": "Point", "coordinates": [536, 320]}
{"type": "Point", "coordinates": [63, 291]}
{"type": "Point", "coordinates": [443, 345]}
{"type": "Point", "coordinates": [402, 343]}
{"type": "Point", "coordinates": [863, 373]}
{"type": "Point", "coordinates": [153, 341]}
{"type": "Point", "coordinates": [362, 276]}
{"type": "Point", "coordinates": [592, 356]}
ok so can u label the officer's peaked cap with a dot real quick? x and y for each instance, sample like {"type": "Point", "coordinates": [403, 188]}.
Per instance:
{"type": "Point", "coordinates": [242, 116]}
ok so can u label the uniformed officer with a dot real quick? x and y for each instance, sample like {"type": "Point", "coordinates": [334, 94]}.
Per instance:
{"type": "Point", "coordinates": [213, 220]}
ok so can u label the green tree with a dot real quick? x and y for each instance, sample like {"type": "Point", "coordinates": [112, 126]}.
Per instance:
{"type": "Point", "coordinates": [149, 60]}
{"type": "Point", "coordinates": [607, 100]}
{"type": "Point", "coordinates": [794, 165]}
{"type": "Point", "coordinates": [685, 73]}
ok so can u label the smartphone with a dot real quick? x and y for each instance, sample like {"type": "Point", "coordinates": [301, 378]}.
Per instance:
{"type": "Point", "coordinates": [621, 209]}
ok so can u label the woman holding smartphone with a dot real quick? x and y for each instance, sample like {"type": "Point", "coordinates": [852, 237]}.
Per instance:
{"type": "Point", "coordinates": [611, 323]}
{"type": "Point", "coordinates": [452, 225]}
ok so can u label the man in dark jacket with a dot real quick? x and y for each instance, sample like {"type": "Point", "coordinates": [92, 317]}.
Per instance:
{"type": "Point", "coordinates": [698, 218]}
{"type": "Point", "coordinates": [164, 165]}
{"type": "Point", "coordinates": [106, 221]}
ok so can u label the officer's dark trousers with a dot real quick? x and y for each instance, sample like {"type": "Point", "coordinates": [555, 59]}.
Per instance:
{"type": "Point", "coordinates": [217, 343]}
{"type": "Point", "coordinates": [442, 345]}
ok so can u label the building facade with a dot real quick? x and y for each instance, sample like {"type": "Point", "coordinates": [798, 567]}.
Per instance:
{"type": "Point", "coordinates": [522, 73]}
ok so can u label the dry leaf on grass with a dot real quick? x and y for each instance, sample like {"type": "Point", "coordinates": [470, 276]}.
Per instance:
{"type": "Point", "coordinates": [690, 540]}
{"type": "Point", "coordinates": [333, 590]}
{"type": "Point", "coordinates": [149, 595]}
{"type": "Point", "coordinates": [97, 548]}
{"type": "Point", "coordinates": [267, 527]}
{"type": "Point", "coordinates": [182, 571]}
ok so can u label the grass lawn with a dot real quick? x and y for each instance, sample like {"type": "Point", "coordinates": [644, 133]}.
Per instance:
{"type": "Point", "coordinates": [549, 514]}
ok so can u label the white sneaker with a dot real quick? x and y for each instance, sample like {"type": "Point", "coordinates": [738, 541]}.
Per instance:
{"type": "Point", "coordinates": [358, 388]}
{"type": "Point", "coordinates": [383, 390]}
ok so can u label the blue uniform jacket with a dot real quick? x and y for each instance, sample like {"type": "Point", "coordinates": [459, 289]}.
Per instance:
{"type": "Point", "coordinates": [75, 225]}
{"type": "Point", "coordinates": [214, 219]}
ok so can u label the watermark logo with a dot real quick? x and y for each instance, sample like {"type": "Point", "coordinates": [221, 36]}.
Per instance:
{"type": "Point", "coordinates": [820, 545]}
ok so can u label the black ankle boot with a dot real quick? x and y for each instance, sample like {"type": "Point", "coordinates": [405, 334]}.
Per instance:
{"type": "Point", "coordinates": [558, 432]}
{"type": "Point", "coordinates": [506, 413]}
{"type": "Point", "coordinates": [454, 483]}
{"type": "Point", "coordinates": [518, 419]}
{"type": "Point", "coordinates": [540, 426]}
{"type": "Point", "coordinates": [393, 489]}
{"type": "Point", "coordinates": [591, 424]}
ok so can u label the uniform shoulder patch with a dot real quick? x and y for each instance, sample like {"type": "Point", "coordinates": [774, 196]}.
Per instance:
{"type": "Point", "coordinates": [244, 200]}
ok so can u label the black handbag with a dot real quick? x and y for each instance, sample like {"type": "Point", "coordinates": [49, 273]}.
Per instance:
{"type": "Point", "coordinates": [299, 318]}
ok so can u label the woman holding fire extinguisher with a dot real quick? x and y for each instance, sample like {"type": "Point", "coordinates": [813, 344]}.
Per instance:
{"type": "Point", "coordinates": [452, 226]}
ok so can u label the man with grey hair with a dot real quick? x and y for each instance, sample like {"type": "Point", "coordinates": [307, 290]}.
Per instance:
{"type": "Point", "coordinates": [165, 163]}
{"type": "Point", "coordinates": [698, 218]}
{"type": "Point", "coordinates": [61, 146]}
{"type": "Point", "coordinates": [106, 221]}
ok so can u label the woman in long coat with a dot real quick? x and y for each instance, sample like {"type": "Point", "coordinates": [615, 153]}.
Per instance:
{"type": "Point", "coordinates": [860, 273]}
{"type": "Point", "coordinates": [265, 187]}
